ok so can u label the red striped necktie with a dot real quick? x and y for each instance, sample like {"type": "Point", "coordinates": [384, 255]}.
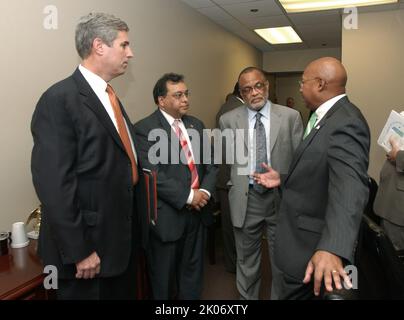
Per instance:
{"type": "Point", "coordinates": [188, 155]}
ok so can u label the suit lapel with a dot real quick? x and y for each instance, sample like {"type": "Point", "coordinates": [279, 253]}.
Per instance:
{"type": "Point", "coordinates": [275, 125]}
{"type": "Point", "coordinates": [174, 145]}
{"type": "Point", "coordinates": [316, 130]}
{"type": "Point", "coordinates": [242, 123]}
{"type": "Point", "coordinates": [91, 101]}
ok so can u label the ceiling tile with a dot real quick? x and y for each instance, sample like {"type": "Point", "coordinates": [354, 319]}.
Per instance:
{"type": "Point", "coordinates": [215, 13]}
{"type": "Point", "coordinates": [314, 18]}
{"type": "Point", "coordinates": [242, 10]}
{"type": "Point", "coordinates": [196, 4]}
{"type": "Point", "coordinates": [266, 22]}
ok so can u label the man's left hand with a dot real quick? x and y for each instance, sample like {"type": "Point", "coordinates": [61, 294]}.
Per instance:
{"type": "Point", "coordinates": [326, 265]}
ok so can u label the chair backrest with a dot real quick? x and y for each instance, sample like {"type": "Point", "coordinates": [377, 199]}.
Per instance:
{"type": "Point", "coordinates": [381, 273]}
{"type": "Point", "coordinates": [373, 187]}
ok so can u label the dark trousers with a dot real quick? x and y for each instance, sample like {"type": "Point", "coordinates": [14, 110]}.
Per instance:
{"type": "Point", "coordinates": [229, 247]}
{"type": "Point", "coordinates": [295, 289]}
{"type": "Point", "coordinates": [176, 268]}
{"type": "Point", "coordinates": [121, 287]}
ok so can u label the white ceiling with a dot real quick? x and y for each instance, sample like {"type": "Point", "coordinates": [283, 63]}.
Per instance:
{"type": "Point", "coordinates": [321, 29]}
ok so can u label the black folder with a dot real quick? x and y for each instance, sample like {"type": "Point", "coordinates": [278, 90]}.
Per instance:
{"type": "Point", "coordinates": [150, 178]}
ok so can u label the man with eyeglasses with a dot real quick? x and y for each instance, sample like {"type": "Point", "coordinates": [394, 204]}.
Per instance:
{"type": "Point", "coordinates": [326, 189]}
{"type": "Point", "coordinates": [271, 134]}
{"type": "Point", "coordinates": [184, 188]}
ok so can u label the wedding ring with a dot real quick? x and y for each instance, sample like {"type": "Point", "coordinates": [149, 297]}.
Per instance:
{"type": "Point", "coordinates": [334, 271]}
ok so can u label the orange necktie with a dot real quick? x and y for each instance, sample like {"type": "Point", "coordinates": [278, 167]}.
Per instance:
{"type": "Point", "coordinates": [123, 132]}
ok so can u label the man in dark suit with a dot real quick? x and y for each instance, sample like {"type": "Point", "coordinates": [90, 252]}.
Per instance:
{"type": "Point", "coordinates": [326, 189]}
{"type": "Point", "coordinates": [84, 170]}
{"type": "Point", "coordinates": [233, 101]}
{"type": "Point", "coordinates": [184, 188]}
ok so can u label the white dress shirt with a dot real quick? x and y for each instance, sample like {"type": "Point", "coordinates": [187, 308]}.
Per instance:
{"type": "Point", "coordinates": [322, 110]}
{"type": "Point", "coordinates": [170, 121]}
{"type": "Point", "coordinates": [99, 87]}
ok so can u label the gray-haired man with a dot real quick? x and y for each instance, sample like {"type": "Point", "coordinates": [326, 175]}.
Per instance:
{"type": "Point", "coordinates": [85, 172]}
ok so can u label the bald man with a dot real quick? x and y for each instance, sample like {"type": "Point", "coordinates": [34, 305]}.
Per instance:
{"type": "Point", "coordinates": [325, 191]}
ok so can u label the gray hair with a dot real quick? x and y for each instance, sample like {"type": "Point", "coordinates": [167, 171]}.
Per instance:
{"type": "Point", "coordinates": [97, 25]}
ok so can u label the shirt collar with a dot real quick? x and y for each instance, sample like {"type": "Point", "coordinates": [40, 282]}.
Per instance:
{"type": "Point", "coordinates": [170, 119]}
{"type": "Point", "coordinates": [326, 106]}
{"type": "Point", "coordinates": [264, 111]}
{"type": "Point", "coordinates": [95, 81]}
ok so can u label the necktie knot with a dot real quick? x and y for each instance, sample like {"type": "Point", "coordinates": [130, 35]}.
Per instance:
{"type": "Point", "coordinates": [258, 116]}
{"type": "Point", "coordinates": [110, 90]}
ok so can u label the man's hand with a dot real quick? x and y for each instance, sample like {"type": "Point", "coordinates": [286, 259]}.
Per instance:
{"type": "Point", "coordinates": [200, 199]}
{"type": "Point", "coordinates": [269, 179]}
{"type": "Point", "coordinates": [89, 267]}
{"type": "Point", "coordinates": [392, 155]}
{"type": "Point", "coordinates": [328, 266]}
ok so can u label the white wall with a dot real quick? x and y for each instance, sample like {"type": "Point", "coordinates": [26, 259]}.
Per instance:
{"type": "Point", "coordinates": [373, 57]}
{"type": "Point", "coordinates": [295, 60]}
{"type": "Point", "coordinates": [166, 35]}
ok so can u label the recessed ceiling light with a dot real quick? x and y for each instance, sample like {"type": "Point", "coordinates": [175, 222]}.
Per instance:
{"type": "Point", "coordinates": [282, 35]}
{"type": "Point", "coordinates": [316, 5]}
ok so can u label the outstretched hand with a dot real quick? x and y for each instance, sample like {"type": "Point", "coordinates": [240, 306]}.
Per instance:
{"type": "Point", "coordinates": [269, 179]}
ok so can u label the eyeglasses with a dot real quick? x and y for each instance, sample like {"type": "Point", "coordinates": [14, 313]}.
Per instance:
{"type": "Point", "coordinates": [179, 95]}
{"type": "Point", "coordinates": [302, 82]}
{"type": "Point", "coordinates": [259, 86]}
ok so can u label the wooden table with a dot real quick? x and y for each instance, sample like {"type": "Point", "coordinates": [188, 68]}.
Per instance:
{"type": "Point", "coordinates": [21, 275]}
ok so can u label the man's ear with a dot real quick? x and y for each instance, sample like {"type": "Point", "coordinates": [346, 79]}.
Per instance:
{"type": "Point", "coordinates": [98, 46]}
{"type": "Point", "coordinates": [322, 84]}
{"type": "Point", "coordinates": [161, 101]}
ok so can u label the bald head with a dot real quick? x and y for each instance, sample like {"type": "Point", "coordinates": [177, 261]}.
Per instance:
{"type": "Point", "coordinates": [330, 70]}
{"type": "Point", "coordinates": [331, 81]}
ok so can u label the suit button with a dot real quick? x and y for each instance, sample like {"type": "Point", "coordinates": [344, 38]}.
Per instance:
{"type": "Point", "coordinates": [246, 194]}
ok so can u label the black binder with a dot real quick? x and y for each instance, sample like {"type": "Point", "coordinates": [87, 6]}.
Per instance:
{"type": "Point", "coordinates": [150, 178]}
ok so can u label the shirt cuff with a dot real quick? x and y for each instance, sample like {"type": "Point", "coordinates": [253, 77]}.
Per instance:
{"type": "Point", "coordinates": [206, 191]}
{"type": "Point", "coordinates": [190, 197]}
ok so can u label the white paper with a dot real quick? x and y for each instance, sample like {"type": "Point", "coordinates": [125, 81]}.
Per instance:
{"type": "Point", "coordinates": [394, 127]}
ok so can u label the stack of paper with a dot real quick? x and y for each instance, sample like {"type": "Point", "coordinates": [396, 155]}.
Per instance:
{"type": "Point", "coordinates": [394, 128]}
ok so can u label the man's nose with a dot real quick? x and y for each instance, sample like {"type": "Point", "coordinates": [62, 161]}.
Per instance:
{"type": "Point", "coordinates": [130, 53]}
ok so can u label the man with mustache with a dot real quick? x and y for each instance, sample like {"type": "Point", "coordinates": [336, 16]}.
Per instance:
{"type": "Point", "coordinates": [184, 187]}
{"type": "Point", "coordinates": [274, 133]}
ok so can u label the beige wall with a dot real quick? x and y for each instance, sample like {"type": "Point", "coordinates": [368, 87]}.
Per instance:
{"type": "Point", "coordinates": [295, 60]}
{"type": "Point", "coordinates": [166, 35]}
{"type": "Point", "coordinates": [373, 57]}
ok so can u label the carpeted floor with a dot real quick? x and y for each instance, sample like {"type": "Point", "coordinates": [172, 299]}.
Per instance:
{"type": "Point", "coordinates": [221, 285]}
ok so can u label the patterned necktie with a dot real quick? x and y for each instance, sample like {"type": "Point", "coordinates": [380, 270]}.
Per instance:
{"type": "Point", "coordinates": [123, 131]}
{"type": "Point", "coordinates": [188, 155]}
{"type": "Point", "coordinates": [261, 151]}
{"type": "Point", "coordinates": [310, 124]}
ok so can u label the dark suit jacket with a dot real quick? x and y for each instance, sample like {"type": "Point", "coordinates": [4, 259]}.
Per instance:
{"type": "Point", "coordinates": [82, 176]}
{"type": "Point", "coordinates": [173, 180]}
{"type": "Point", "coordinates": [325, 192]}
{"type": "Point", "coordinates": [224, 170]}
